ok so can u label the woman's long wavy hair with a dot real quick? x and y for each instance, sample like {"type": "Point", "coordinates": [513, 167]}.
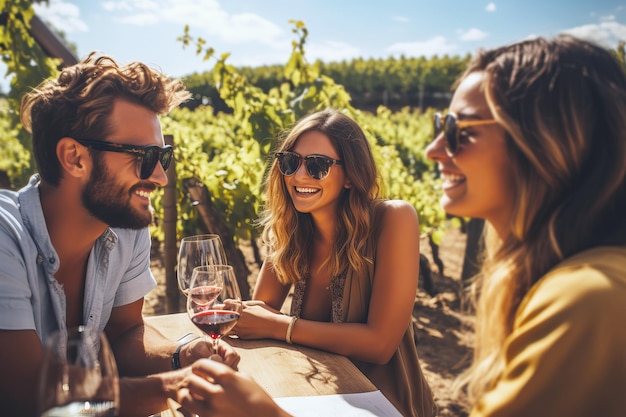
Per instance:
{"type": "Point", "coordinates": [562, 103]}
{"type": "Point", "coordinates": [288, 234]}
{"type": "Point", "coordinates": [78, 103]}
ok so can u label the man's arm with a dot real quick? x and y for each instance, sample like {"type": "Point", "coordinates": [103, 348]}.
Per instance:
{"type": "Point", "coordinates": [143, 356]}
{"type": "Point", "coordinates": [139, 348]}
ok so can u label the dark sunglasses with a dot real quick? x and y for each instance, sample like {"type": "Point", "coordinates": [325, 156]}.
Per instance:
{"type": "Point", "coordinates": [148, 156]}
{"type": "Point", "coordinates": [450, 127]}
{"type": "Point", "coordinates": [317, 166]}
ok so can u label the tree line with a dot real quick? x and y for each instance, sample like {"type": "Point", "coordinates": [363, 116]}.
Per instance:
{"type": "Point", "coordinates": [391, 82]}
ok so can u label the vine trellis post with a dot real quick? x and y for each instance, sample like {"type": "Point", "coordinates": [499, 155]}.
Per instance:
{"type": "Point", "coordinates": [170, 215]}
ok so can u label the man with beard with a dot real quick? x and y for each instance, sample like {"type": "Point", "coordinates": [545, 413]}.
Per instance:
{"type": "Point", "coordinates": [74, 243]}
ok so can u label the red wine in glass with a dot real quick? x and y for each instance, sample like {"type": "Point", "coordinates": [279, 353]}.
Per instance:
{"type": "Point", "coordinates": [214, 301]}
{"type": "Point", "coordinates": [216, 323]}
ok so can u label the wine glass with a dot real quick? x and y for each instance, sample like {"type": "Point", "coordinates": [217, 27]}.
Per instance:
{"type": "Point", "coordinates": [214, 301]}
{"type": "Point", "coordinates": [199, 250]}
{"type": "Point", "coordinates": [78, 376]}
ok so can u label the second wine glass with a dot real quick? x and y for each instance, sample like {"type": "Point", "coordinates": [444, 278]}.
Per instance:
{"type": "Point", "coordinates": [199, 250]}
{"type": "Point", "coordinates": [78, 376]}
{"type": "Point", "coordinates": [214, 301]}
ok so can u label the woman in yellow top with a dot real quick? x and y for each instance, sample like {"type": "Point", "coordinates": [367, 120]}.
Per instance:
{"type": "Point", "coordinates": [535, 143]}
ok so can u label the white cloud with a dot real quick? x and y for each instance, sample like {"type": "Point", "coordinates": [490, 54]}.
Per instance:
{"type": "Point", "coordinates": [246, 27]}
{"type": "Point", "coordinates": [205, 17]}
{"type": "Point", "coordinates": [62, 15]}
{"type": "Point", "coordinates": [608, 18]}
{"type": "Point", "coordinates": [140, 19]}
{"type": "Point", "coordinates": [491, 7]}
{"type": "Point", "coordinates": [111, 6]}
{"type": "Point", "coordinates": [130, 5]}
{"type": "Point", "coordinates": [434, 46]}
{"type": "Point", "coordinates": [607, 33]}
{"type": "Point", "coordinates": [472, 34]}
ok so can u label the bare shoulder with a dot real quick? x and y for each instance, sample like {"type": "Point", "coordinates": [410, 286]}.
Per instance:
{"type": "Point", "coordinates": [399, 231]}
{"type": "Point", "coordinates": [399, 214]}
{"type": "Point", "coordinates": [398, 208]}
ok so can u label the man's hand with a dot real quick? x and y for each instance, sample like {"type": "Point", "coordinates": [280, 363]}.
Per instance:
{"type": "Point", "coordinates": [202, 348]}
{"type": "Point", "coordinates": [216, 390]}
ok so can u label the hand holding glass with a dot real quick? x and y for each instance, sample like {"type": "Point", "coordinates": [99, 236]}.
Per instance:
{"type": "Point", "coordinates": [214, 301]}
{"type": "Point", "coordinates": [199, 250]}
{"type": "Point", "coordinates": [79, 375]}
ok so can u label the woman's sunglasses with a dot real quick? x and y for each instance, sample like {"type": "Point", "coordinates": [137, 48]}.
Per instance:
{"type": "Point", "coordinates": [450, 127]}
{"type": "Point", "coordinates": [148, 156]}
{"type": "Point", "coordinates": [317, 166]}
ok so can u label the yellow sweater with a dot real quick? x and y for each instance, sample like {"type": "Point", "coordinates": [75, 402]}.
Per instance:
{"type": "Point", "coordinates": [566, 356]}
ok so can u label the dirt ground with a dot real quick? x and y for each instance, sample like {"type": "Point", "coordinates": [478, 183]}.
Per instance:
{"type": "Point", "coordinates": [445, 332]}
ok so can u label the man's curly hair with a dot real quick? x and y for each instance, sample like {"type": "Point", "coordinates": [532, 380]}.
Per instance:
{"type": "Point", "coordinates": [79, 101]}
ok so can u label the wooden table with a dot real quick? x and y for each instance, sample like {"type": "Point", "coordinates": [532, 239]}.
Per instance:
{"type": "Point", "coordinates": [283, 370]}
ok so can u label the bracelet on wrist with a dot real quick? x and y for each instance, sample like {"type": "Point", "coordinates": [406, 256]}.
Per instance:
{"type": "Point", "coordinates": [189, 337]}
{"type": "Point", "coordinates": [290, 329]}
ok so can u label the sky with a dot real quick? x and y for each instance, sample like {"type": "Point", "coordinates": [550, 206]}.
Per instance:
{"type": "Point", "coordinates": [258, 32]}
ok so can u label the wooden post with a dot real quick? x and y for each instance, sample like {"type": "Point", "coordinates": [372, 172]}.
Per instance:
{"type": "Point", "coordinates": [214, 223]}
{"type": "Point", "coordinates": [170, 215]}
{"type": "Point", "coordinates": [473, 250]}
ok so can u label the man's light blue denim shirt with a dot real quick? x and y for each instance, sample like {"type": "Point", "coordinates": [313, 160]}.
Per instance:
{"type": "Point", "coordinates": [118, 270]}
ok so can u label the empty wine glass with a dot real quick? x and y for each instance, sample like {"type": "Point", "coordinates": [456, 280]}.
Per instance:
{"type": "Point", "coordinates": [199, 250]}
{"type": "Point", "coordinates": [214, 301]}
{"type": "Point", "coordinates": [78, 376]}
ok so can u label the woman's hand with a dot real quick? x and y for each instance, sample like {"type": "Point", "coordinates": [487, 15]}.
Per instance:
{"type": "Point", "coordinates": [259, 321]}
{"type": "Point", "coordinates": [214, 389]}
{"type": "Point", "coordinates": [251, 303]}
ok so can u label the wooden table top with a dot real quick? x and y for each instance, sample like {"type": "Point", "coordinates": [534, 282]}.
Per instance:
{"type": "Point", "coordinates": [283, 370]}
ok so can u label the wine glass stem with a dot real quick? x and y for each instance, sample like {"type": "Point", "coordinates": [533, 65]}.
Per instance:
{"type": "Point", "coordinates": [216, 345]}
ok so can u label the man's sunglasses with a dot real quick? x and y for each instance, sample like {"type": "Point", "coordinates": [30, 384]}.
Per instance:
{"type": "Point", "coordinates": [317, 166]}
{"type": "Point", "coordinates": [450, 127]}
{"type": "Point", "coordinates": [148, 156]}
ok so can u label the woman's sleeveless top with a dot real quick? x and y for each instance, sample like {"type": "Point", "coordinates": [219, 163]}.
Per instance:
{"type": "Point", "coordinates": [401, 379]}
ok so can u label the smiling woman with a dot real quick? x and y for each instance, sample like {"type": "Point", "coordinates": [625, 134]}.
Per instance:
{"type": "Point", "coordinates": [549, 179]}
{"type": "Point", "coordinates": [477, 181]}
{"type": "Point", "coordinates": [352, 257]}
